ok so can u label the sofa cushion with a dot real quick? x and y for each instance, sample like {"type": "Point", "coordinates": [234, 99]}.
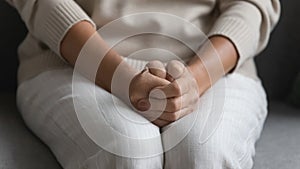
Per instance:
{"type": "Point", "coordinates": [279, 146]}
{"type": "Point", "coordinates": [279, 64]}
{"type": "Point", "coordinates": [12, 32]}
{"type": "Point", "coordinates": [19, 148]}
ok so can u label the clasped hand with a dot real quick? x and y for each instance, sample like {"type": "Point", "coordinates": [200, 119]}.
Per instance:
{"type": "Point", "coordinates": [164, 94]}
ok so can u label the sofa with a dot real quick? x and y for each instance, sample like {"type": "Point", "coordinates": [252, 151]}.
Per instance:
{"type": "Point", "coordinates": [278, 67]}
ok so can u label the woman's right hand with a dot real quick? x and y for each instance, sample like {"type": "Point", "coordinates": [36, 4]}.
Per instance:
{"type": "Point", "coordinates": [154, 75]}
{"type": "Point", "coordinates": [141, 86]}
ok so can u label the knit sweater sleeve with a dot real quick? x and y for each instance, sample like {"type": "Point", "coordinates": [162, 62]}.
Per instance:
{"type": "Point", "coordinates": [247, 24]}
{"type": "Point", "coordinates": [50, 20]}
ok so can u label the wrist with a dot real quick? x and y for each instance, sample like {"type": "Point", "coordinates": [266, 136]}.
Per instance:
{"type": "Point", "coordinates": [226, 51]}
{"type": "Point", "coordinates": [121, 80]}
{"type": "Point", "coordinates": [218, 57]}
{"type": "Point", "coordinates": [200, 74]}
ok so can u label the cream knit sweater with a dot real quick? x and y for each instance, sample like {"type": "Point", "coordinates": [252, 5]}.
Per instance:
{"type": "Point", "coordinates": [247, 23]}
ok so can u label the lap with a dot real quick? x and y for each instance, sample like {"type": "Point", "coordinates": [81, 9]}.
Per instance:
{"type": "Point", "coordinates": [229, 121]}
{"type": "Point", "coordinates": [62, 117]}
{"type": "Point", "coordinates": [232, 111]}
{"type": "Point", "coordinates": [234, 101]}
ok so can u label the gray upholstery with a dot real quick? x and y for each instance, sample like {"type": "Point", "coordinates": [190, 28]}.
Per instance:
{"type": "Point", "coordinates": [19, 148]}
{"type": "Point", "coordinates": [278, 147]}
{"type": "Point", "coordinates": [12, 32]}
{"type": "Point", "coordinates": [279, 64]}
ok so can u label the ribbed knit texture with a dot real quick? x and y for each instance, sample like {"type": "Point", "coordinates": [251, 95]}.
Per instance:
{"type": "Point", "coordinates": [238, 32]}
{"type": "Point", "coordinates": [247, 23]}
{"type": "Point", "coordinates": [60, 20]}
{"type": "Point", "coordinates": [137, 64]}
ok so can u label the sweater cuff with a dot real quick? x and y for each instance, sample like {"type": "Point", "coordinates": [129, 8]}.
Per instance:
{"type": "Point", "coordinates": [59, 21]}
{"type": "Point", "coordinates": [238, 32]}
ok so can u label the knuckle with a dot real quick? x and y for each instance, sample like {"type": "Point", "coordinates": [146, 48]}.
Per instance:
{"type": "Point", "coordinates": [176, 88]}
{"type": "Point", "coordinates": [173, 117]}
{"type": "Point", "coordinates": [174, 104]}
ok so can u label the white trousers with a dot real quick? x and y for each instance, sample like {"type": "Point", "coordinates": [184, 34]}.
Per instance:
{"type": "Point", "coordinates": [46, 103]}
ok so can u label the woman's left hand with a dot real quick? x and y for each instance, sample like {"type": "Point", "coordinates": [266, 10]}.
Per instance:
{"type": "Point", "coordinates": [218, 57]}
{"type": "Point", "coordinates": [177, 99]}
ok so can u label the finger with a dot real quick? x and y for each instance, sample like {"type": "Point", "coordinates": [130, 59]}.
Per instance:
{"type": "Point", "coordinates": [154, 80]}
{"type": "Point", "coordinates": [151, 81]}
{"type": "Point", "coordinates": [171, 117]}
{"type": "Point", "coordinates": [169, 78]}
{"type": "Point", "coordinates": [160, 122]}
{"type": "Point", "coordinates": [172, 104]}
{"type": "Point", "coordinates": [141, 86]}
{"type": "Point", "coordinates": [175, 69]}
{"type": "Point", "coordinates": [151, 115]}
{"type": "Point", "coordinates": [175, 89]}
{"type": "Point", "coordinates": [157, 68]}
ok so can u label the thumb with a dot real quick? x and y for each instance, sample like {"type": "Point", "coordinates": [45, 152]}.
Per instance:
{"type": "Point", "coordinates": [152, 82]}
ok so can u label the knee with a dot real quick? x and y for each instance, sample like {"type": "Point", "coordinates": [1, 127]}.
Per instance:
{"type": "Point", "coordinates": [155, 162]}
{"type": "Point", "coordinates": [106, 160]}
{"type": "Point", "coordinates": [217, 152]}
